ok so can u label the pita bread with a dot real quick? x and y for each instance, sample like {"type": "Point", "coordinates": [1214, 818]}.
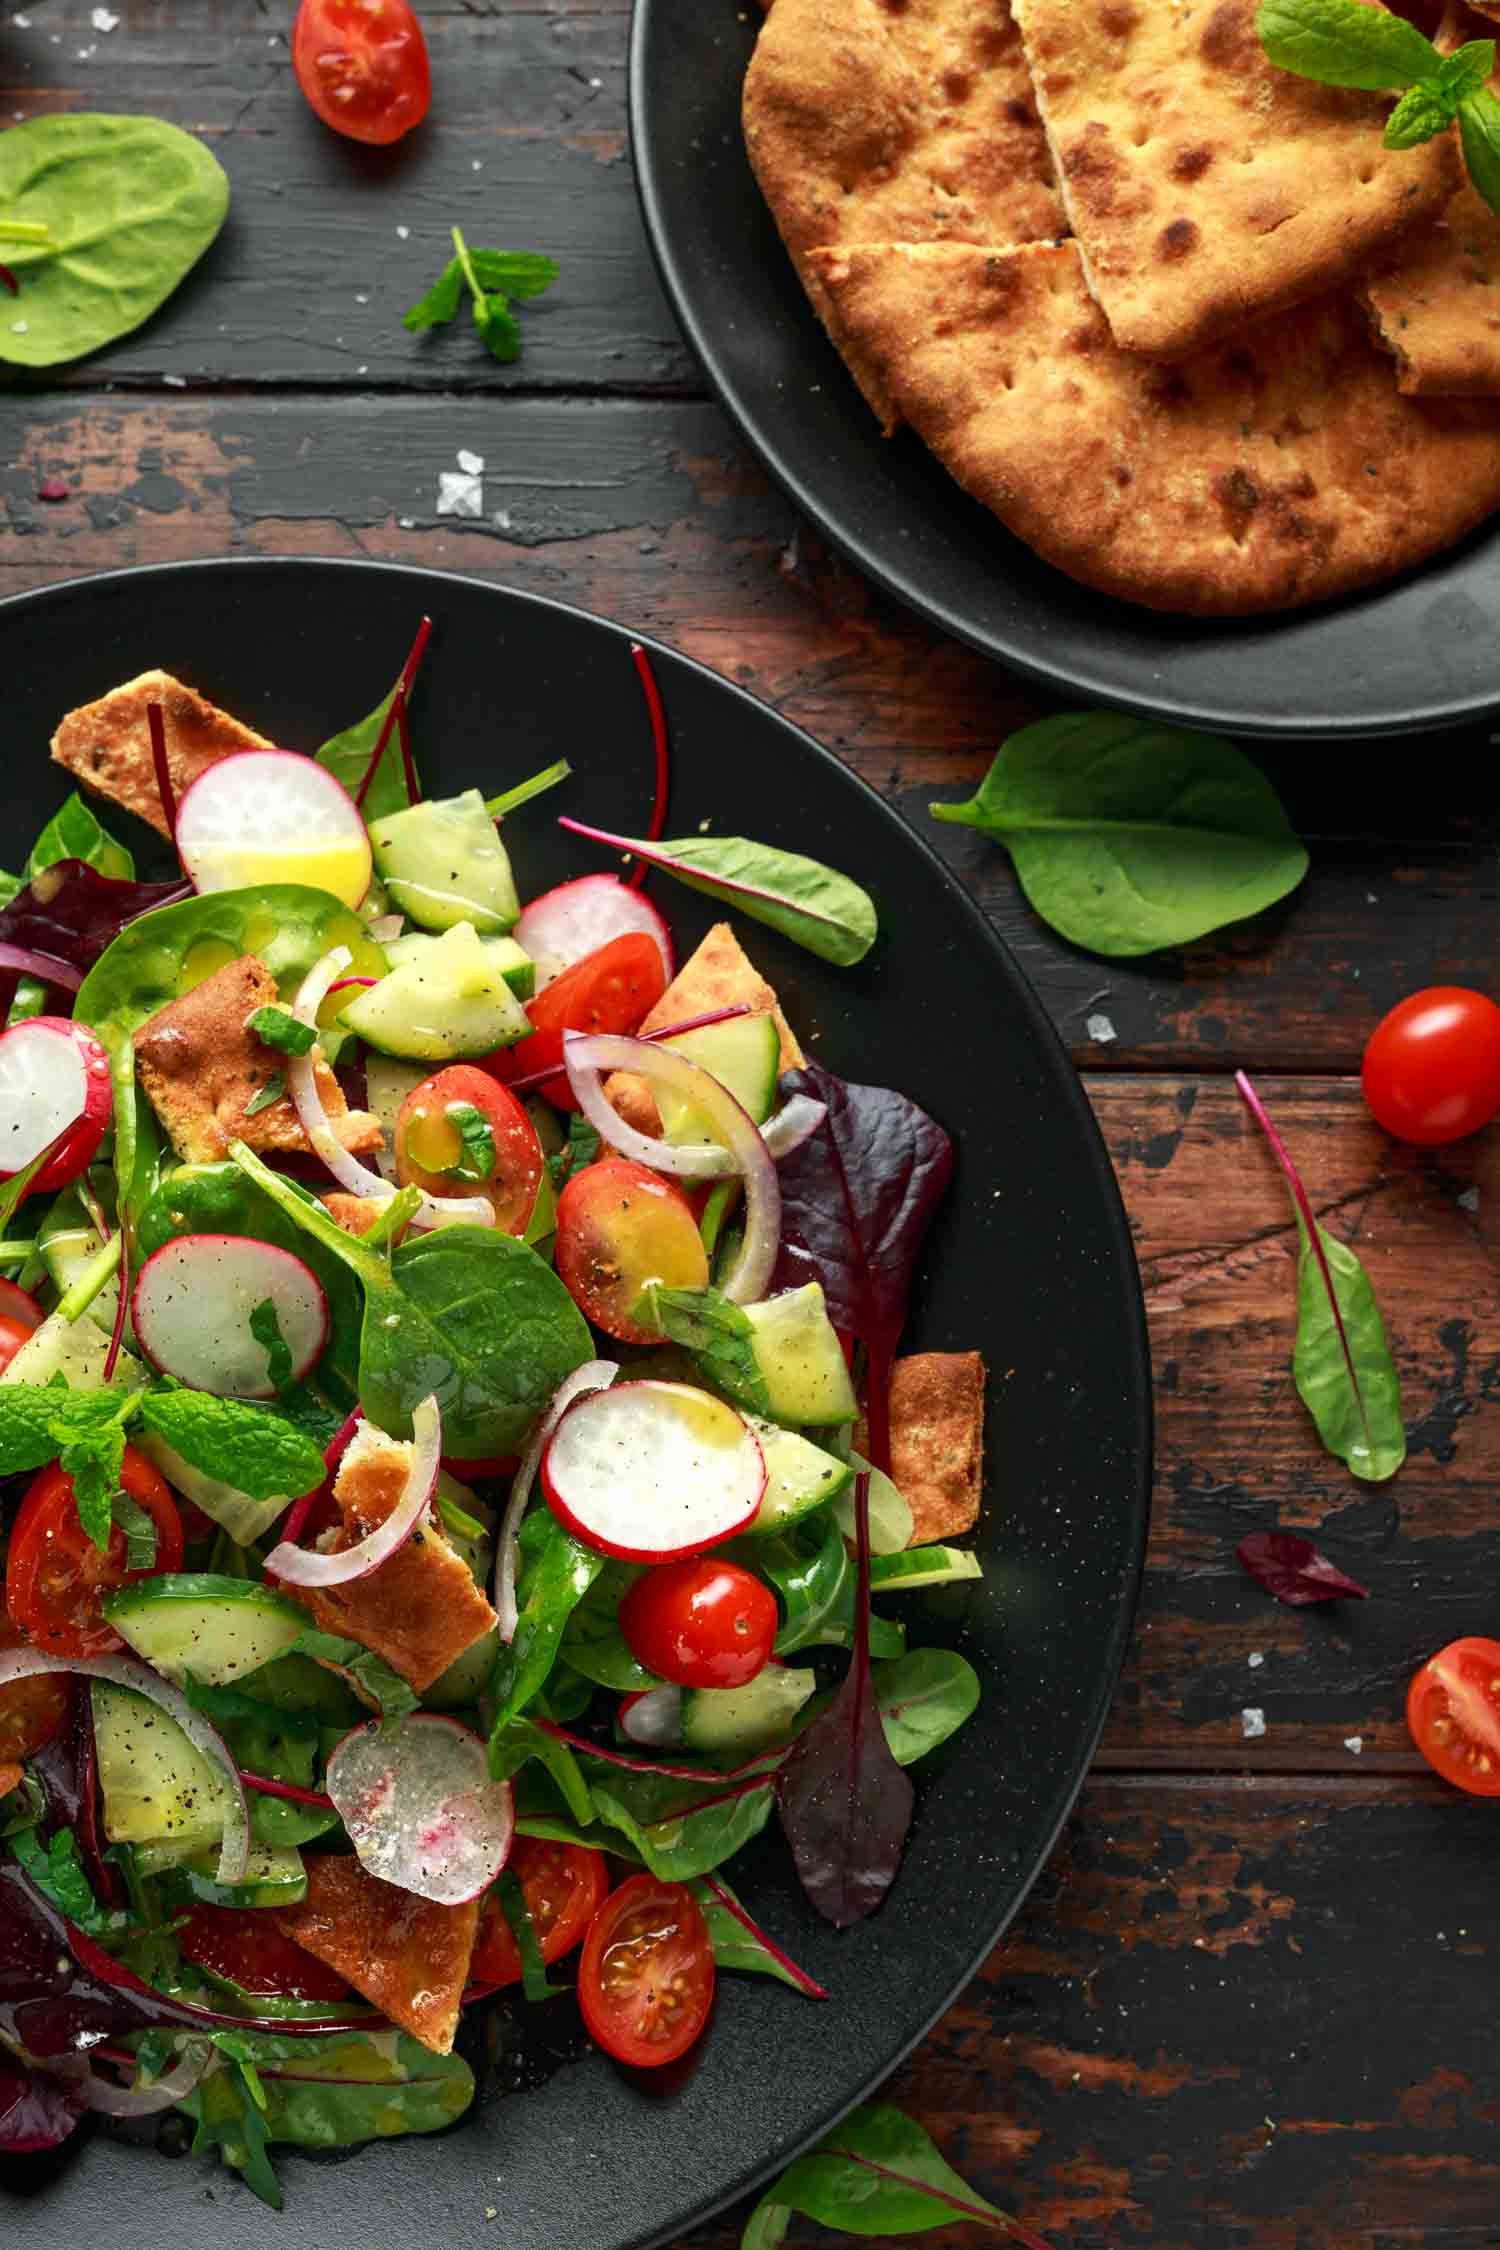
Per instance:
{"type": "Point", "coordinates": [408, 1956]}
{"type": "Point", "coordinates": [107, 745]}
{"type": "Point", "coordinates": [1205, 186]}
{"type": "Point", "coordinates": [1280, 468]}
{"type": "Point", "coordinates": [1437, 309]}
{"type": "Point", "coordinates": [867, 122]}
{"type": "Point", "coordinates": [937, 1441]}
{"type": "Point", "coordinates": [719, 975]}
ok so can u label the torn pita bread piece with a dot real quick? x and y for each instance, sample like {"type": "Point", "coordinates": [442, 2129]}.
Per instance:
{"type": "Point", "coordinates": [937, 1441]}
{"type": "Point", "coordinates": [867, 122]}
{"type": "Point", "coordinates": [408, 1956]}
{"type": "Point", "coordinates": [1436, 308]}
{"type": "Point", "coordinates": [719, 975]}
{"type": "Point", "coordinates": [1278, 468]}
{"type": "Point", "coordinates": [420, 1609]}
{"type": "Point", "coordinates": [107, 745]}
{"type": "Point", "coordinates": [356, 1214]}
{"type": "Point", "coordinates": [203, 1070]}
{"type": "Point", "coordinates": [1206, 186]}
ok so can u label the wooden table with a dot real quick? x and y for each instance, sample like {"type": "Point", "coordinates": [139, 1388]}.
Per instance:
{"type": "Point", "coordinates": [1246, 2004]}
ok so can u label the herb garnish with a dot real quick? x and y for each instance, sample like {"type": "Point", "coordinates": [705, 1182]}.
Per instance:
{"type": "Point", "coordinates": [279, 1028]}
{"type": "Point", "coordinates": [476, 1157]}
{"type": "Point", "coordinates": [492, 278]}
{"type": "Point", "coordinates": [272, 1091]}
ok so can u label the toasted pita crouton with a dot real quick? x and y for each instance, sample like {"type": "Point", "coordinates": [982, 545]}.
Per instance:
{"type": "Point", "coordinates": [107, 744]}
{"type": "Point", "coordinates": [202, 1069]}
{"type": "Point", "coordinates": [356, 1214]}
{"type": "Point", "coordinates": [937, 1441]}
{"type": "Point", "coordinates": [408, 1956]}
{"type": "Point", "coordinates": [419, 1610]}
{"type": "Point", "coordinates": [10, 1778]}
{"type": "Point", "coordinates": [1434, 307]}
{"type": "Point", "coordinates": [719, 975]}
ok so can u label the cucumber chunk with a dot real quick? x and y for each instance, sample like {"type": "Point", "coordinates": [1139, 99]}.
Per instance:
{"type": "Point", "coordinates": [388, 1082]}
{"type": "Point", "coordinates": [274, 1876]}
{"type": "Point", "coordinates": [451, 1003]}
{"type": "Point", "coordinates": [800, 1357]}
{"type": "Point", "coordinates": [77, 1351]}
{"type": "Point", "coordinates": [68, 1242]}
{"type": "Point", "coordinates": [517, 968]}
{"type": "Point", "coordinates": [800, 1476]}
{"type": "Point", "coordinates": [443, 863]}
{"type": "Point", "coordinates": [244, 1519]}
{"type": "Point", "coordinates": [749, 1717]}
{"type": "Point", "coordinates": [157, 1787]}
{"type": "Point", "coordinates": [922, 1566]}
{"type": "Point", "coordinates": [891, 1520]}
{"type": "Point", "coordinates": [216, 1628]}
{"type": "Point", "coordinates": [744, 1054]}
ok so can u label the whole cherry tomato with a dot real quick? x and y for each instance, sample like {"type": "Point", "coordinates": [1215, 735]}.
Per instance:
{"type": "Point", "coordinates": [702, 1622]}
{"type": "Point", "coordinates": [1431, 1071]}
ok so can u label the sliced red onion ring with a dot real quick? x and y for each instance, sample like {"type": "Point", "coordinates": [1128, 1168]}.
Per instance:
{"type": "Point", "coordinates": [795, 1122]}
{"type": "Point", "coordinates": [356, 1178]}
{"type": "Point", "coordinates": [587, 1054]}
{"type": "Point", "coordinates": [302, 1566]}
{"type": "Point", "coordinates": [420, 1806]}
{"type": "Point", "coordinates": [594, 1375]}
{"type": "Point", "coordinates": [113, 2100]}
{"type": "Point", "coordinates": [387, 926]}
{"type": "Point", "coordinates": [45, 967]}
{"type": "Point", "coordinates": [128, 1672]}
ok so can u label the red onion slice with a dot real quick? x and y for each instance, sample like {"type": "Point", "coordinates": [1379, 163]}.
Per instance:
{"type": "Point", "coordinates": [594, 1375]}
{"type": "Point", "coordinates": [356, 1178]}
{"type": "Point", "coordinates": [113, 2100]}
{"type": "Point", "coordinates": [420, 1806]}
{"type": "Point", "coordinates": [795, 1122]}
{"type": "Point", "coordinates": [128, 1672]}
{"type": "Point", "coordinates": [301, 1566]}
{"type": "Point", "coordinates": [587, 1054]}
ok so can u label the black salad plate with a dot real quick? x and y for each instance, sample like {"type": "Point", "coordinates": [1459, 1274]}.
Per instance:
{"type": "Point", "coordinates": [1421, 653]}
{"type": "Point", "coordinates": [1029, 1261]}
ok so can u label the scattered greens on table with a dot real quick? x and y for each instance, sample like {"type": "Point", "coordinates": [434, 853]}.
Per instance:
{"type": "Point", "coordinates": [490, 279]}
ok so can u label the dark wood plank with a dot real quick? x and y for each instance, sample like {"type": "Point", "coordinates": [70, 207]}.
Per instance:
{"type": "Point", "coordinates": [525, 147]}
{"type": "Point", "coordinates": [1230, 2015]}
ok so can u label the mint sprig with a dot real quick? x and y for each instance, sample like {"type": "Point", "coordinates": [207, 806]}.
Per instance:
{"type": "Point", "coordinates": [1343, 43]}
{"type": "Point", "coordinates": [279, 1028]}
{"type": "Point", "coordinates": [257, 1449]}
{"type": "Point", "coordinates": [492, 278]}
{"type": "Point", "coordinates": [476, 1158]}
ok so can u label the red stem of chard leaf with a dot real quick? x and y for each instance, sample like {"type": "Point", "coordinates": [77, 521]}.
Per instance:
{"type": "Point", "coordinates": [721, 1797]}
{"type": "Point", "coordinates": [164, 789]}
{"type": "Point", "coordinates": [662, 752]}
{"type": "Point", "coordinates": [396, 717]}
{"type": "Point", "coordinates": [338, 1444]}
{"type": "Point", "coordinates": [800, 1977]}
{"type": "Point", "coordinates": [984, 2213]}
{"type": "Point", "coordinates": [122, 1284]}
{"type": "Point", "coordinates": [1306, 1214]}
{"type": "Point", "coordinates": [265, 1787]}
{"type": "Point", "coordinates": [765, 1765]}
{"type": "Point", "coordinates": [9, 281]}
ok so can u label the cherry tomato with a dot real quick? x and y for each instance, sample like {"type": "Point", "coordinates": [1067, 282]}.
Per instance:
{"type": "Point", "coordinates": [244, 1946]}
{"type": "Point", "coordinates": [612, 989]}
{"type": "Point", "coordinates": [564, 1886]}
{"type": "Point", "coordinates": [1431, 1071]}
{"type": "Point", "coordinates": [16, 1304]}
{"type": "Point", "coordinates": [703, 1622]}
{"type": "Point", "coordinates": [31, 1711]}
{"type": "Point", "coordinates": [55, 1576]}
{"type": "Point", "coordinates": [1453, 1711]}
{"type": "Point", "coordinates": [618, 1227]}
{"type": "Point", "coordinates": [363, 66]}
{"type": "Point", "coordinates": [646, 1980]}
{"type": "Point", "coordinates": [12, 1336]}
{"type": "Point", "coordinates": [429, 1144]}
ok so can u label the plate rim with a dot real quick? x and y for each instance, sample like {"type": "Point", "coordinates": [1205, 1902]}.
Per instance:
{"type": "Point", "coordinates": [1132, 1337]}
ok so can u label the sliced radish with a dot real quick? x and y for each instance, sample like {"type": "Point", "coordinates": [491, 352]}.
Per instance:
{"type": "Point", "coordinates": [594, 1375]}
{"type": "Point", "coordinates": [653, 1718]}
{"type": "Point", "coordinates": [16, 1304]}
{"type": "Point", "coordinates": [565, 925]}
{"type": "Point", "coordinates": [650, 1471]}
{"type": "Point", "coordinates": [192, 1304]}
{"type": "Point", "coordinates": [272, 816]}
{"type": "Point", "coordinates": [421, 1809]}
{"type": "Point", "coordinates": [53, 1075]}
{"type": "Point", "coordinates": [295, 1566]}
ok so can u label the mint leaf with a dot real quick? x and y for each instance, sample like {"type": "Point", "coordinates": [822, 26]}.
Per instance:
{"type": "Point", "coordinates": [391, 1694]}
{"type": "Point", "coordinates": [58, 1874]}
{"type": "Point", "coordinates": [265, 1327]}
{"type": "Point", "coordinates": [1467, 69]}
{"type": "Point", "coordinates": [1342, 43]}
{"type": "Point", "coordinates": [440, 303]}
{"type": "Point", "coordinates": [279, 1028]}
{"type": "Point", "coordinates": [477, 1161]}
{"type": "Point", "coordinates": [1421, 112]}
{"type": "Point", "coordinates": [492, 278]}
{"type": "Point", "coordinates": [94, 1463]}
{"type": "Point", "coordinates": [1479, 131]}
{"type": "Point", "coordinates": [499, 327]}
{"type": "Point", "coordinates": [254, 1448]}
{"type": "Point", "coordinates": [38, 1419]}
{"type": "Point", "coordinates": [514, 273]}
{"type": "Point", "coordinates": [139, 1530]}
{"type": "Point", "coordinates": [272, 1091]}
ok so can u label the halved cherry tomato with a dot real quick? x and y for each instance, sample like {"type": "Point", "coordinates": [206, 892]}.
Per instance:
{"type": "Point", "coordinates": [17, 1304]}
{"type": "Point", "coordinates": [646, 1980]}
{"type": "Point", "coordinates": [612, 989]}
{"type": "Point", "coordinates": [55, 1577]}
{"type": "Point", "coordinates": [1431, 1071]}
{"type": "Point", "coordinates": [363, 66]}
{"type": "Point", "coordinates": [1453, 1711]}
{"type": "Point", "coordinates": [245, 1947]}
{"type": "Point", "coordinates": [703, 1622]}
{"type": "Point", "coordinates": [429, 1144]}
{"type": "Point", "coordinates": [12, 1336]}
{"type": "Point", "coordinates": [31, 1711]}
{"type": "Point", "coordinates": [620, 1226]}
{"type": "Point", "coordinates": [564, 1887]}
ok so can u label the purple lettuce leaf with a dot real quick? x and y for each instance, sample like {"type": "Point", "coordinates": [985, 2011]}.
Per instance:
{"type": "Point", "coordinates": [1291, 1568]}
{"type": "Point", "coordinates": [74, 913]}
{"type": "Point", "coordinates": [36, 2111]}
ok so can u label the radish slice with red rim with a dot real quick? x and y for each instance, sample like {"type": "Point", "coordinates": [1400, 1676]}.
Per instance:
{"type": "Point", "coordinates": [594, 1375]}
{"type": "Point", "coordinates": [650, 1471]}
{"type": "Point", "coordinates": [420, 1806]}
{"type": "Point", "coordinates": [54, 1081]}
{"type": "Point", "coordinates": [192, 1303]}
{"type": "Point", "coordinates": [266, 816]}
{"type": "Point", "coordinates": [652, 1717]}
{"type": "Point", "coordinates": [299, 1566]}
{"type": "Point", "coordinates": [573, 921]}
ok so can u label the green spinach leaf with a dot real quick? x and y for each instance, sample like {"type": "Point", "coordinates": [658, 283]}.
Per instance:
{"type": "Point", "coordinates": [593, 1643]}
{"type": "Point", "coordinates": [1128, 836]}
{"type": "Point", "coordinates": [391, 1695]}
{"type": "Point", "coordinates": [813, 905]}
{"type": "Point", "coordinates": [554, 1583]}
{"type": "Point", "coordinates": [876, 2173]}
{"type": "Point", "coordinates": [924, 1697]}
{"type": "Point", "coordinates": [74, 833]}
{"type": "Point", "coordinates": [282, 1746]}
{"type": "Point", "coordinates": [347, 757]}
{"type": "Point", "coordinates": [517, 1742]}
{"type": "Point", "coordinates": [682, 1828]}
{"type": "Point", "coordinates": [130, 204]}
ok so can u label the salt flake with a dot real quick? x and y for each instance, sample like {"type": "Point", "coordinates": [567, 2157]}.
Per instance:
{"type": "Point", "coordinates": [472, 464]}
{"type": "Point", "coordinates": [458, 494]}
{"type": "Point", "coordinates": [1101, 1030]}
{"type": "Point", "coordinates": [20, 328]}
{"type": "Point", "coordinates": [1253, 1724]}
{"type": "Point", "coordinates": [1469, 1200]}
{"type": "Point", "coordinates": [403, 234]}
{"type": "Point", "coordinates": [1255, 1660]}
{"type": "Point", "coordinates": [103, 19]}
{"type": "Point", "coordinates": [22, 23]}
{"type": "Point", "coordinates": [1354, 1742]}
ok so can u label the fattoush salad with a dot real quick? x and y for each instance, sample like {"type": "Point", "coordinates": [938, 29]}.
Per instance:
{"type": "Point", "coordinates": [452, 1437]}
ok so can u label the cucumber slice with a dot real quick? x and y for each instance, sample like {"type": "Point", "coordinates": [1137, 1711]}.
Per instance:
{"type": "Point", "coordinates": [744, 1054]}
{"type": "Point", "coordinates": [67, 1242]}
{"type": "Point", "coordinates": [800, 1357]}
{"type": "Point", "coordinates": [274, 1876]}
{"type": "Point", "coordinates": [244, 1519]}
{"type": "Point", "coordinates": [216, 1628]}
{"type": "Point", "coordinates": [453, 1002]}
{"type": "Point", "coordinates": [800, 1476]}
{"type": "Point", "coordinates": [517, 967]}
{"type": "Point", "coordinates": [157, 1787]}
{"type": "Point", "coordinates": [388, 1082]}
{"type": "Point", "coordinates": [467, 1677]}
{"type": "Point", "coordinates": [443, 863]}
{"type": "Point", "coordinates": [891, 1520]}
{"type": "Point", "coordinates": [745, 1718]}
{"type": "Point", "coordinates": [922, 1566]}
{"type": "Point", "coordinates": [77, 1351]}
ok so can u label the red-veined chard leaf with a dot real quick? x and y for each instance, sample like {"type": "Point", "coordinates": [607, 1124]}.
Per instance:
{"type": "Point", "coordinates": [1291, 1568]}
{"type": "Point", "coordinates": [876, 2173]}
{"type": "Point", "coordinates": [1341, 1363]}
{"type": "Point", "coordinates": [73, 914]}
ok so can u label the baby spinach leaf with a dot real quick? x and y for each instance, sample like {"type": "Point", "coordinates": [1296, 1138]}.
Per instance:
{"type": "Point", "coordinates": [391, 1695]}
{"type": "Point", "coordinates": [810, 1574]}
{"type": "Point", "coordinates": [682, 1828]}
{"type": "Point", "coordinates": [1128, 836]}
{"type": "Point", "coordinates": [815, 906]}
{"type": "Point", "coordinates": [518, 1741]}
{"type": "Point", "coordinates": [876, 2173]}
{"type": "Point", "coordinates": [393, 785]}
{"type": "Point", "coordinates": [594, 1645]}
{"type": "Point", "coordinates": [739, 1943]}
{"type": "Point", "coordinates": [74, 833]}
{"type": "Point", "coordinates": [555, 1582]}
{"type": "Point", "coordinates": [130, 205]}
{"type": "Point", "coordinates": [282, 1746]}
{"type": "Point", "coordinates": [924, 1697]}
